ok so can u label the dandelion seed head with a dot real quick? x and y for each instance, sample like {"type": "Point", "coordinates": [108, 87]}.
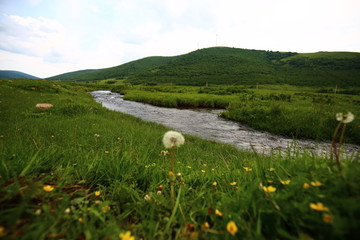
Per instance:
{"type": "Point", "coordinates": [173, 139]}
{"type": "Point", "coordinates": [345, 118]}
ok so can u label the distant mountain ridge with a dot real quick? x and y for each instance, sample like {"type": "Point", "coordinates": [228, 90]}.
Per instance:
{"type": "Point", "coordinates": [9, 74]}
{"type": "Point", "coordinates": [224, 65]}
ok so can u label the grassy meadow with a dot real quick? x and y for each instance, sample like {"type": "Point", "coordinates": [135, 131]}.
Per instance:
{"type": "Point", "coordinates": [297, 112]}
{"type": "Point", "coordinates": [79, 171]}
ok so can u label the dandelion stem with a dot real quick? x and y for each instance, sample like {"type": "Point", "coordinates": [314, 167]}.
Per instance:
{"type": "Point", "coordinates": [173, 159]}
{"type": "Point", "coordinates": [333, 144]}
{"type": "Point", "coordinates": [172, 187]}
{"type": "Point", "coordinates": [174, 211]}
{"type": "Point", "coordinates": [339, 147]}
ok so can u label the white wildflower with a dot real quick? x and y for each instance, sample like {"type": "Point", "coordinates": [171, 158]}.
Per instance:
{"type": "Point", "coordinates": [173, 139]}
{"type": "Point", "coordinates": [345, 118]}
{"type": "Point", "coordinates": [148, 197]}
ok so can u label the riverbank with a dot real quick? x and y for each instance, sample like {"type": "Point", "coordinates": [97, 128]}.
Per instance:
{"type": "Point", "coordinates": [297, 112]}
{"type": "Point", "coordinates": [208, 125]}
{"type": "Point", "coordinates": [79, 171]}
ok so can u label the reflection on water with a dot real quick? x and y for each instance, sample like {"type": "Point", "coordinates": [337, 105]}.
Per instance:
{"type": "Point", "coordinates": [208, 125]}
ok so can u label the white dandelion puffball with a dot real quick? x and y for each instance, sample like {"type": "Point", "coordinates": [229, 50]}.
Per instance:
{"type": "Point", "coordinates": [173, 139]}
{"type": "Point", "coordinates": [345, 118]}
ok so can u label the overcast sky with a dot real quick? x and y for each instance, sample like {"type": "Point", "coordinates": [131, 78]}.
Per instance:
{"type": "Point", "coordinates": [49, 37]}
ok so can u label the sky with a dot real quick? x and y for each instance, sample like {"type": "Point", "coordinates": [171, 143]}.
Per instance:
{"type": "Point", "coordinates": [45, 38]}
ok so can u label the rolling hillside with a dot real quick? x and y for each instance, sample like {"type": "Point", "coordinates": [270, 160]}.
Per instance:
{"type": "Point", "coordinates": [222, 65]}
{"type": "Point", "coordinates": [8, 74]}
{"type": "Point", "coordinates": [122, 71]}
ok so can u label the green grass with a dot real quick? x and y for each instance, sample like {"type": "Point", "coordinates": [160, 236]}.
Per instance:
{"type": "Point", "coordinates": [59, 147]}
{"type": "Point", "coordinates": [297, 112]}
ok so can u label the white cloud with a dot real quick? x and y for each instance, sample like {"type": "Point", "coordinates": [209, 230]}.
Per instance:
{"type": "Point", "coordinates": [39, 37]}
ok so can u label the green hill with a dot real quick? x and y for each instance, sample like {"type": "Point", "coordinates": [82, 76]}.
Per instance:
{"type": "Point", "coordinates": [8, 74]}
{"type": "Point", "coordinates": [122, 71]}
{"type": "Point", "coordinates": [223, 65]}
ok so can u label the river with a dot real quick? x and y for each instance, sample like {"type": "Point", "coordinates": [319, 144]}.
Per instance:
{"type": "Point", "coordinates": [207, 124]}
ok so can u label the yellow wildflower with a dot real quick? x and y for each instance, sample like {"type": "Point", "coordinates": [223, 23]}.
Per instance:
{"type": "Point", "coordinates": [97, 193]}
{"type": "Point", "coordinates": [205, 225]}
{"type": "Point", "coordinates": [316, 184]}
{"type": "Point", "coordinates": [285, 182]}
{"type": "Point", "coordinates": [203, 171]}
{"type": "Point", "coordinates": [188, 166]}
{"type": "Point", "coordinates": [105, 208]}
{"type": "Point", "coordinates": [48, 188]}
{"type": "Point", "coordinates": [233, 183]}
{"type": "Point", "coordinates": [217, 212]}
{"type": "Point", "coordinates": [269, 189]}
{"type": "Point", "coordinates": [328, 218]}
{"type": "Point", "coordinates": [232, 228]}
{"type": "Point", "coordinates": [126, 236]}
{"type": "Point", "coordinates": [306, 185]}
{"type": "Point", "coordinates": [271, 169]}
{"type": "Point", "coordinates": [247, 169]}
{"type": "Point", "coordinates": [214, 184]}
{"type": "Point", "coordinates": [2, 231]}
{"type": "Point", "coordinates": [81, 220]}
{"type": "Point", "coordinates": [318, 207]}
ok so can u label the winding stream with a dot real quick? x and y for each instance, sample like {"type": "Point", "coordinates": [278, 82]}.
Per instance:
{"type": "Point", "coordinates": [208, 125]}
